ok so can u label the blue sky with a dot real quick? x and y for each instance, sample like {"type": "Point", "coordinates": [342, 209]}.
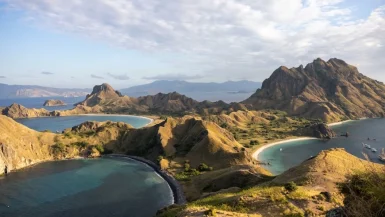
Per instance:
{"type": "Point", "coordinates": [127, 42]}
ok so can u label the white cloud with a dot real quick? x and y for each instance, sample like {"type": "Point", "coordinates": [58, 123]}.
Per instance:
{"type": "Point", "coordinates": [118, 77]}
{"type": "Point", "coordinates": [226, 38]}
{"type": "Point", "coordinates": [173, 77]}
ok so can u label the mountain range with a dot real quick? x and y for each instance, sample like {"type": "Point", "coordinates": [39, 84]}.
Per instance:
{"type": "Point", "coordinates": [26, 91]}
{"type": "Point", "coordinates": [230, 91]}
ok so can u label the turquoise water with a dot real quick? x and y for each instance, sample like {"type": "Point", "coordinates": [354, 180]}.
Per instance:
{"type": "Point", "coordinates": [60, 123]}
{"type": "Point", "coordinates": [293, 153]}
{"type": "Point", "coordinates": [87, 187]}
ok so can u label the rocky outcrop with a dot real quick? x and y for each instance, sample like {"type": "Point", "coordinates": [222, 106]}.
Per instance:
{"type": "Point", "coordinates": [331, 91]}
{"type": "Point", "coordinates": [19, 111]}
{"type": "Point", "coordinates": [53, 102]}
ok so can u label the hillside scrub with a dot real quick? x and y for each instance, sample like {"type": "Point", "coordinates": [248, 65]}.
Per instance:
{"type": "Point", "coordinates": [364, 194]}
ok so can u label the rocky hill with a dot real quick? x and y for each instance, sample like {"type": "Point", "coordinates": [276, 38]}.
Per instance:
{"type": "Point", "coordinates": [19, 111]}
{"type": "Point", "coordinates": [332, 91]}
{"type": "Point", "coordinates": [21, 146]}
{"type": "Point", "coordinates": [105, 99]}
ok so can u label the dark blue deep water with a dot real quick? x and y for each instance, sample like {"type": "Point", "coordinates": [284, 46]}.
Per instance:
{"type": "Point", "coordinates": [60, 123]}
{"type": "Point", "coordinates": [87, 187]}
{"type": "Point", "coordinates": [293, 153]}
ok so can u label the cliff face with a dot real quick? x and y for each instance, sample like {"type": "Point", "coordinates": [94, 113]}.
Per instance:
{"type": "Point", "coordinates": [21, 146]}
{"type": "Point", "coordinates": [331, 90]}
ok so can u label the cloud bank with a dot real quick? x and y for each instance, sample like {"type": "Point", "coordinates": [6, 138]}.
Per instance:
{"type": "Point", "coordinates": [119, 77]}
{"type": "Point", "coordinates": [228, 38]}
{"type": "Point", "coordinates": [47, 73]}
{"type": "Point", "coordinates": [1, 76]}
{"type": "Point", "coordinates": [96, 76]}
{"type": "Point", "coordinates": [174, 77]}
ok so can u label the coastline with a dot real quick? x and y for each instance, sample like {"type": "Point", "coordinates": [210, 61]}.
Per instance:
{"type": "Point", "coordinates": [262, 148]}
{"type": "Point", "coordinates": [174, 185]}
{"type": "Point", "coordinates": [339, 123]}
{"type": "Point", "coordinates": [125, 115]}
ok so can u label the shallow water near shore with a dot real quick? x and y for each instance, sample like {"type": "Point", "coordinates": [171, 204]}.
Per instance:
{"type": "Point", "coordinates": [293, 153]}
{"type": "Point", "coordinates": [60, 123]}
{"type": "Point", "coordinates": [85, 187]}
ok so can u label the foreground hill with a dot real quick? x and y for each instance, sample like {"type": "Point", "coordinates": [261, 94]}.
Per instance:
{"type": "Point", "coordinates": [24, 91]}
{"type": "Point", "coordinates": [230, 91]}
{"type": "Point", "coordinates": [332, 91]}
{"type": "Point", "coordinates": [315, 195]}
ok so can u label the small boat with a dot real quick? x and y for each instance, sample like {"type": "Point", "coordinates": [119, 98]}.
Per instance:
{"type": "Point", "coordinates": [382, 158]}
{"type": "Point", "coordinates": [373, 150]}
{"type": "Point", "coordinates": [280, 149]}
{"type": "Point", "coordinates": [366, 146]}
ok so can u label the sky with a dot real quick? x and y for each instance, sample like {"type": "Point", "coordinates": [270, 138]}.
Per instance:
{"type": "Point", "coordinates": [80, 43]}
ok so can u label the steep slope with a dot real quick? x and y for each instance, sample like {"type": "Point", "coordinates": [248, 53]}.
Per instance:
{"type": "Point", "coordinates": [21, 146]}
{"type": "Point", "coordinates": [330, 90]}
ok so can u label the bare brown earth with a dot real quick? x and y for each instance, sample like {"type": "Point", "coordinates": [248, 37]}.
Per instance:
{"type": "Point", "coordinates": [331, 91]}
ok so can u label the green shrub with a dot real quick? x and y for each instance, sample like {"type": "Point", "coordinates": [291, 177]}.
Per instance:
{"type": "Point", "coordinates": [254, 142]}
{"type": "Point", "coordinates": [291, 186]}
{"type": "Point", "coordinates": [210, 212]}
{"type": "Point", "coordinates": [187, 167]}
{"type": "Point", "coordinates": [364, 194]}
{"type": "Point", "coordinates": [81, 144]}
{"type": "Point", "coordinates": [160, 157]}
{"type": "Point", "coordinates": [100, 148]}
{"type": "Point", "coordinates": [203, 167]}
{"type": "Point", "coordinates": [58, 149]}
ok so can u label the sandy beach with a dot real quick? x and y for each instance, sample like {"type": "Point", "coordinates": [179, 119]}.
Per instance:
{"type": "Point", "coordinates": [144, 117]}
{"type": "Point", "coordinates": [339, 123]}
{"type": "Point", "coordinates": [259, 150]}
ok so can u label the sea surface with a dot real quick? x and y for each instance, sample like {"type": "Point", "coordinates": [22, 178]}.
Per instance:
{"type": "Point", "coordinates": [38, 102]}
{"type": "Point", "coordinates": [85, 187]}
{"type": "Point", "coordinates": [294, 153]}
{"type": "Point", "coordinates": [60, 123]}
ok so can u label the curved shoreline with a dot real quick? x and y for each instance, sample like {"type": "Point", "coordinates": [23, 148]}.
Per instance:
{"type": "Point", "coordinates": [174, 185]}
{"type": "Point", "coordinates": [124, 115]}
{"type": "Point", "coordinates": [256, 154]}
{"type": "Point", "coordinates": [339, 123]}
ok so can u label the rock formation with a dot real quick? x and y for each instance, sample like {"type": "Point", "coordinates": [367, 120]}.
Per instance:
{"type": "Point", "coordinates": [53, 102]}
{"type": "Point", "coordinates": [331, 91]}
{"type": "Point", "coordinates": [19, 111]}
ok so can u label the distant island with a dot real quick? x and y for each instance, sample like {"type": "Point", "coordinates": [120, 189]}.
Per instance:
{"type": "Point", "coordinates": [54, 102]}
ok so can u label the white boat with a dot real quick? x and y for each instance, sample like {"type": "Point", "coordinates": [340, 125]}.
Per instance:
{"type": "Point", "coordinates": [366, 145]}
{"type": "Point", "coordinates": [280, 149]}
{"type": "Point", "coordinates": [382, 157]}
{"type": "Point", "coordinates": [373, 150]}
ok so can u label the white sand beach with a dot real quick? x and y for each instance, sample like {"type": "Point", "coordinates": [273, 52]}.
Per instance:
{"type": "Point", "coordinates": [258, 151]}
{"type": "Point", "coordinates": [339, 123]}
